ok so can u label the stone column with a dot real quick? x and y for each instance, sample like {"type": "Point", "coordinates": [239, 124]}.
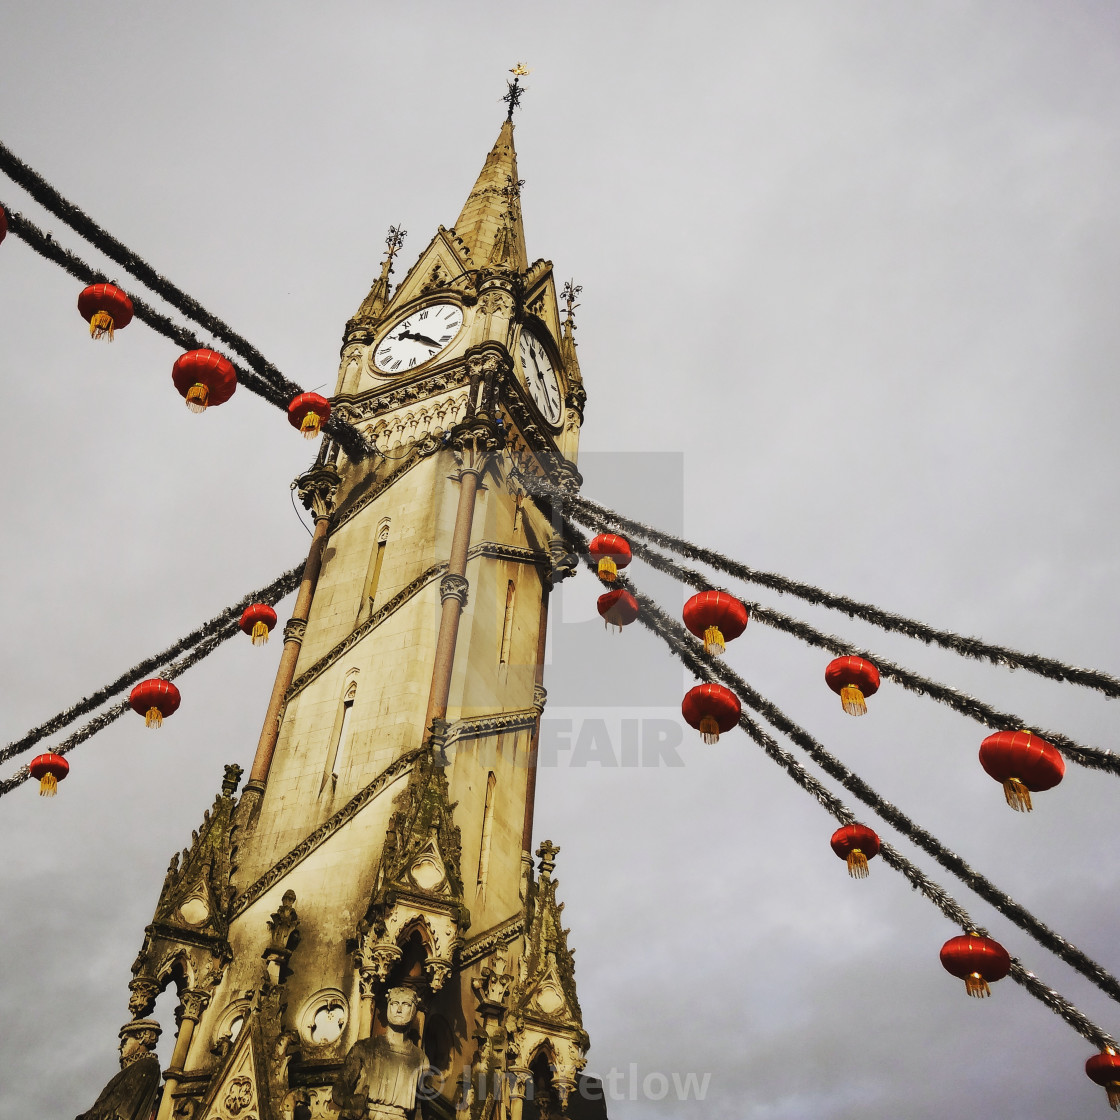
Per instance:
{"type": "Point", "coordinates": [474, 442]}
{"type": "Point", "coordinates": [317, 489]}
{"type": "Point", "coordinates": [191, 1006]}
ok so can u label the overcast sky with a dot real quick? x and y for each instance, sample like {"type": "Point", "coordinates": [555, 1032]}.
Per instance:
{"type": "Point", "coordinates": [850, 298]}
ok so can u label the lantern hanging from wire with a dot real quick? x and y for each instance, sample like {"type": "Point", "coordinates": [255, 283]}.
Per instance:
{"type": "Point", "coordinates": [978, 961]}
{"type": "Point", "coordinates": [106, 308]}
{"type": "Point", "coordinates": [612, 552]}
{"type": "Point", "coordinates": [856, 843]}
{"type": "Point", "coordinates": [204, 378]}
{"type": "Point", "coordinates": [49, 769]}
{"type": "Point", "coordinates": [309, 412]}
{"type": "Point", "coordinates": [853, 679]}
{"type": "Point", "coordinates": [711, 709]}
{"type": "Point", "coordinates": [257, 621]}
{"type": "Point", "coordinates": [1024, 763]}
{"type": "Point", "coordinates": [618, 608]}
{"type": "Point", "coordinates": [716, 617]}
{"type": "Point", "coordinates": [155, 700]}
{"type": "Point", "coordinates": [1104, 1069]}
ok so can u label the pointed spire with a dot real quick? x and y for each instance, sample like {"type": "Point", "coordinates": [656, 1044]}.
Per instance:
{"type": "Point", "coordinates": [490, 222]}
{"type": "Point", "coordinates": [374, 304]}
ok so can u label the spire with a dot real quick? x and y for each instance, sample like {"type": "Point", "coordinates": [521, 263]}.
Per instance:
{"type": "Point", "coordinates": [378, 297]}
{"type": "Point", "coordinates": [490, 222]}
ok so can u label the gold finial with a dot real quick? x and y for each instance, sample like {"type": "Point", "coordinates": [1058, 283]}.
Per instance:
{"type": "Point", "coordinates": [520, 70]}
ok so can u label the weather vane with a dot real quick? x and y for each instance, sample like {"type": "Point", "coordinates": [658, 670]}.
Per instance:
{"type": "Point", "coordinates": [515, 89]}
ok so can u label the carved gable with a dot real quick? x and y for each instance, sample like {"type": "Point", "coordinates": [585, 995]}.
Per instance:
{"type": "Point", "coordinates": [240, 1091]}
{"type": "Point", "coordinates": [419, 886]}
{"type": "Point", "coordinates": [196, 893]}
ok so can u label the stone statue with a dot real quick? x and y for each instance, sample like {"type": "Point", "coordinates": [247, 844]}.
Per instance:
{"type": "Point", "coordinates": [131, 1094]}
{"type": "Point", "coordinates": [379, 1077]}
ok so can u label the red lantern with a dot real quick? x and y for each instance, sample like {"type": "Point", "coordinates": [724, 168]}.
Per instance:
{"type": "Point", "coordinates": [852, 679]}
{"type": "Point", "coordinates": [204, 377]}
{"type": "Point", "coordinates": [309, 412]}
{"type": "Point", "coordinates": [978, 961]}
{"type": "Point", "coordinates": [856, 843]}
{"type": "Point", "coordinates": [1104, 1069]}
{"type": "Point", "coordinates": [154, 699]}
{"type": "Point", "coordinates": [106, 308]}
{"type": "Point", "coordinates": [3, 224]}
{"type": "Point", "coordinates": [619, 608]}
{"type": "Point", "coordinates": [50, 769]}
{"type": "Point", "coordinates": [612, 553]}
{"type": "Point", "coordinates": [711, 708]}
{"type": "Point", "coordinates": [257, 621]}
{"type": "Point", "coordinates": [1024, 763]}
{"type": "Point", "coordinates": [716, 617]}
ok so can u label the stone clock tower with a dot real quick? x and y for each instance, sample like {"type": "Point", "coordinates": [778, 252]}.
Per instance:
{"type": "Point", "coordinates": [383, 839]}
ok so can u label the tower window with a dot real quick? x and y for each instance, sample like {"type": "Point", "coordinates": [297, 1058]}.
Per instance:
{"type": "Point", "coordinates": [507, 624]}
{"type": "Point", "coordinates": [373, 575]}
{"type": "Point", "coordinates": [487, 830]}
{"type": "Point", "coordinates": [342, 734]}
{"type": "Point", "coordinates": [518, 513]}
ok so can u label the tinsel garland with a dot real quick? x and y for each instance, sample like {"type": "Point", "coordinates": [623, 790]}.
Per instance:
{"type": "Point", "coordinates": [114, 713]}
{"type": "Point", "coordinates": [271, 594]}
{"type": "Point", "coordinates": [226, 631]}
{"type": "Point", "coordinates": [348, 437]}
{"type": "Point", "coordinates": [704, 667]}
{"type": "Point", "coordinates": [1091, 757]}
{"type": "Point", "coordinates": [967, 647]}
{"type": "Point", "coordinates": [76, 218]}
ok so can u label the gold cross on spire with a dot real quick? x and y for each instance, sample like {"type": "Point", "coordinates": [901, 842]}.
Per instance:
{"type": "Point", "coordinates": [515, 89]}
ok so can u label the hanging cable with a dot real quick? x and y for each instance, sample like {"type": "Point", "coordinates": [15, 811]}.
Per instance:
{"type": "Point", "coordinates": [894, 623]}
{"type": "Point", "coordinates": [271, 594]}
{"type": "Point", "coordinates": [699, 664]}
{"type": "Point", "coordinates": [1091, 757]}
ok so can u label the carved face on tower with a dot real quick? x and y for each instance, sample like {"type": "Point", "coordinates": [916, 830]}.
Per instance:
{"type": "Point", "coordinates": [400, 1008]}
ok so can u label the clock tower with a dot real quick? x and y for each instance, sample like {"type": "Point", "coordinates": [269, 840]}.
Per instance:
{"type": "Point", "coordinates": [384, 836]}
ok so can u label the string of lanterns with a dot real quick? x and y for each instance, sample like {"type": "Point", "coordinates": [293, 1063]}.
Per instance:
{"type": "Point", "coordinates": [1021, 761]}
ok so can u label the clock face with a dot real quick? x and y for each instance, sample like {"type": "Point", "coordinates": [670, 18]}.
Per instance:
{"type": "Point", "coordinates": [540, 377]}
{"type": "Point", "coordinates": [419, 338]}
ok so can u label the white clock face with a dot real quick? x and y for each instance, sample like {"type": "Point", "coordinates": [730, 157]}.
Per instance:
{"type": "Point", "coordinates": [540, 377]}
{"type": "Point", "coordinates": [419, 338]}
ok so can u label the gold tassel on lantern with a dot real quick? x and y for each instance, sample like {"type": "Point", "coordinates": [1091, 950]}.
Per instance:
{"type": "Point", "coordinates": [310, 425]}
{"type": "Point", "coordinates": [713, 641]}
{"type": "Point", "coordinates": [976, 985]}
{"type": "Point", "coordinates": [260, 634]}
{"type": "Point", "coordinates": [709, 730]}
{"type": "Point", "coordinates": [853, 701]}
{"type": "Point", "coordinates": [153, 717]}
{"type": "Point", "coordinates": [101, 323]}
{"type": "Point", "coordinates": [48, 785]}
{"type": "Point", "coordinates": [198, 396]}
{"type": "Point", "coordinates": [608, 569]}
{"type": "Point", "coordinates": [1017, 795]}
{"type": "Point", "coordinates": [1113, 1091]}
{"type": "Point", "coordinates": [857, 864]}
